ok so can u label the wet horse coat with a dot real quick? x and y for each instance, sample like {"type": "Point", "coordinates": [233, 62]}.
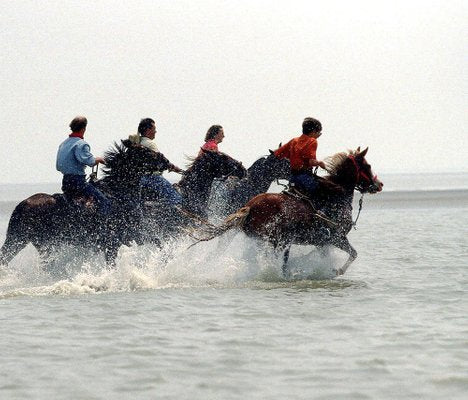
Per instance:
{"type": "Point", "coordinates": [166, 221]}
{"type": "Point", "coordinates": [49, 221]}
{"type": "Point", "coordinates": [260, 175]}
{"type": "Point", "coordinates": [283, 220]}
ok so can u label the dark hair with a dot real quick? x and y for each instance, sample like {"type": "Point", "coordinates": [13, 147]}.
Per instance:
{"type": "Point", "coordinates": [145, 123]}
{"type": "Point", "coordinates": [78, 123]}
{"type": "Point", "coordinates": [212, 132]}
{"type": "Point", "coordinates": [311, 125]}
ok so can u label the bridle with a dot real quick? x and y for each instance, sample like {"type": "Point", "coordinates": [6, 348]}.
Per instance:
{"type": "Point", "coordinates": [362, 177]}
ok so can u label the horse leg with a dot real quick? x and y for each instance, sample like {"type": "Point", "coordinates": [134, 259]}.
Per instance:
{"type": "Point", "coordinates": [284, 247]}
{"type": "Point", "coordinates": [344, 245]}
{"type": "Point", "coordinates": [11, 247]}
{"type": "Point", "coordinates": [284, 268]}
{"type": "Point", "coordinates": [110, 254]}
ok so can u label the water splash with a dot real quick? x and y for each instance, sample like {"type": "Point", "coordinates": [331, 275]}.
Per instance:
{"type": "Point", "coordinates": [230, 261]}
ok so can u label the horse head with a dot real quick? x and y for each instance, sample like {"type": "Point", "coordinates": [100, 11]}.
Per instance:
{"type": "Point", "coordinates": [222, 165]}
{"type": "Point", "coordinates": [352, 170]}
{"type": "Point", "coordinates": [366, 180]}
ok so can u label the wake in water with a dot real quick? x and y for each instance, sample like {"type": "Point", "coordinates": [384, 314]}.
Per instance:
{"type": "Point", "coordinates": [230, 261]}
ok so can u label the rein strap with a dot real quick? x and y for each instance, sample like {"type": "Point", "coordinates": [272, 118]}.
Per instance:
{"type": "Point", "coordinates": [359, 211]}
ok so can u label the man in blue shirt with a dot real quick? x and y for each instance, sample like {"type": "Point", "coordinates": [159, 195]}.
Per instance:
{"type": "Point", "coordinates": [72, 157]}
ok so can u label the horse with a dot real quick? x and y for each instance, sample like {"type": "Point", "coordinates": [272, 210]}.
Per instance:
{"type": "Point", "coordinates": [49, 221]}
{"type": "Point", "coordinates": [283, 219]}
{"type": "Point", "coordinates": [227, 197]}
{"type": "Point", "coordinates": [194, 186]}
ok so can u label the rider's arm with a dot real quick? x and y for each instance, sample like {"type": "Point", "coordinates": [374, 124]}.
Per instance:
{"type": "Point", "coordinates": [316, 163]}
{"type": "Point", "coordinates": [175, 168]}
{"type": "Point", "coordinates": [310, 153]}
{"type": "Point", "coordinates": [165, 164]}
{"type": "Point", "coordinates": [99, 160]}
{"type": "Point", "coordinates": [83, 154]}
{"type": "Point", "coordinates": [283, 151]}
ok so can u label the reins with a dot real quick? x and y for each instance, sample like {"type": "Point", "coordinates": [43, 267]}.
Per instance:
{"type": "Point", "coordinates": [94, 173]}
{"type": "Point", "coordinates": [281, 184]}
{"type": "Point", "coordinates": [359, 211]}
{"type": "Point", "coordinates": [224, 177]}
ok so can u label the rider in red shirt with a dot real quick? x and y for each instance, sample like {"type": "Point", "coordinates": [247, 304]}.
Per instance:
{"type": "Point", "coordinates": [301, 152]}
{"type": "Point", "coordinates": [213, 137]}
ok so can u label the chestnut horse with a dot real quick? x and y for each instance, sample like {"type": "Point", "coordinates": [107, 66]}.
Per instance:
{"type": "Point", "coordinates": [283, 219]}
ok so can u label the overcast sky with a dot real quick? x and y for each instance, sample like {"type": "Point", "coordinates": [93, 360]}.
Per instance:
{"type": "Point", "coordinates": [390, 75]}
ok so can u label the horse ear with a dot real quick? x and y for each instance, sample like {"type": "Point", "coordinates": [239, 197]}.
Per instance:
{"type": "Point", "coordinates": [271, 151]}
{"type": "Point", "coordinates": [358, 149]}
{"type": "Point", "coordinates": [127, 143]}
{"type": "Point", "coordinates": [363, 153]}
{"type": "Point", "coordinates": [281, 143]}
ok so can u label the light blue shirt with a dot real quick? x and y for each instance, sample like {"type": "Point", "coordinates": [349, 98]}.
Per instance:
{"type": "Point", "coordinates": [73, 155]}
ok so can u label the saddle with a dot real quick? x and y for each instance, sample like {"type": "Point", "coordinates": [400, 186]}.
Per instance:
{"type": "Point", "coordinates": [293, 191]}
{"type": "Point", "coordinates": [78, 205]}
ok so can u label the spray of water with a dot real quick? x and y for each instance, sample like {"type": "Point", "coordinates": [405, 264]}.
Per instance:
{"type": "Point", "coordinates": [230, 261]}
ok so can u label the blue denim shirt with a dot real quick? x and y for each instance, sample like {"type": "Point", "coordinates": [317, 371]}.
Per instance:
{"type": "Point", "coordinates": [73, 156]}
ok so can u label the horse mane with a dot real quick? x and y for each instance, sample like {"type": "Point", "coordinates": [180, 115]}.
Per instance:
{"type": "Point", "coordinates": [190, 161]}
{"type": "Point", "coordinates": [193, 161]}
{"type": "Point", "coordinates": [114, 157]}
{"type": "Point", "coordinates": [335, 162]}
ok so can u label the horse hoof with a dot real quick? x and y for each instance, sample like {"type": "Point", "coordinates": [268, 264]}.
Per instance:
{"type": "Point", "coordinates": [339, 272]}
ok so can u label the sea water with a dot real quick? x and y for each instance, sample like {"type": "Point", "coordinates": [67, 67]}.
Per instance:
{"type": "Point", "coordinates": [217, 320]}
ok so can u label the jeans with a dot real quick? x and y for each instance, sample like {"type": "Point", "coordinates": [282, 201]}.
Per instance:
{"type": "Point", "coordinates": [76, 185]}
{"type": "Point", "coordinates": [162, 189]}
{"type": "Point", "coordinates": [306, 183]}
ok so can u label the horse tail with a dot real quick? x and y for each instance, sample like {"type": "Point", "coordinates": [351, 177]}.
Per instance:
{"type": "Point", "coordinates": [209, 232]}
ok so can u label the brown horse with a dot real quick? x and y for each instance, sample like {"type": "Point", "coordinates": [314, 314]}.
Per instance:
{"type": "Point", "coordinates": [283, 219]}
{"type": "Point", "coordinates": [50, 221]}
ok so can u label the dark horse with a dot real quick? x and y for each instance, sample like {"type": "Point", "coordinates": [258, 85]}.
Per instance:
{"type": "Point", "coordinates": [48, 221]}
{"type": "Point", "coordinates": [227, 197]}
{"type": "Point", "coordinates": [283, 219]}
{"type": "Point", "coordinates": [195, 187]}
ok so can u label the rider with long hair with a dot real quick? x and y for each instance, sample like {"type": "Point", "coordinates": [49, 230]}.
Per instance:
{"type": "Point", "coordinates": [213, 137]}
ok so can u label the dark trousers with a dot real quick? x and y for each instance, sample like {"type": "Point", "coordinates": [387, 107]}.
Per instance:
{"type": "Point", "coordinates": [76, 185]}
{"type": "Point", "coordinates": [305, 182]}
{"type": "Point", "coordinates": [162, 189]}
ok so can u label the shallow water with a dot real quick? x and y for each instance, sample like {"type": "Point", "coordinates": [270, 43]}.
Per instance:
{"type": "Point", "coordinates": [213, 324]}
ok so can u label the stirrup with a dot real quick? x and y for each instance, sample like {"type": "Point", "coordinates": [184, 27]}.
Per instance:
{"type": "Point", "coordinates": [292, 191]}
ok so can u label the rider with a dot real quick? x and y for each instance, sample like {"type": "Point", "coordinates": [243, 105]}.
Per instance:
{"type": "Point", "coordinates": [213, 137]}
{"type": "Point", "coordinates": [156, 183]}
{"type": "Point", "coordinates": [301, 152]}
{"type": "Point", "coordinates": [72, 157]}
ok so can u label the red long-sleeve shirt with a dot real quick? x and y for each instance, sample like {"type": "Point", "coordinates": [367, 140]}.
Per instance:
{"type": "Point", "coordinates": [299, 151]}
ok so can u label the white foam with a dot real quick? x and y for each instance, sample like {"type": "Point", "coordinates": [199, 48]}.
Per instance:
{"type": "Point", "coordinates": [232, 260]}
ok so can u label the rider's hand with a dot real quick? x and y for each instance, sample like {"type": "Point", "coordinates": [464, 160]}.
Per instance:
{"type": "Point", "coordinates": [177, 169]}
{"type": "Point", "coordinates": [100, 160]}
